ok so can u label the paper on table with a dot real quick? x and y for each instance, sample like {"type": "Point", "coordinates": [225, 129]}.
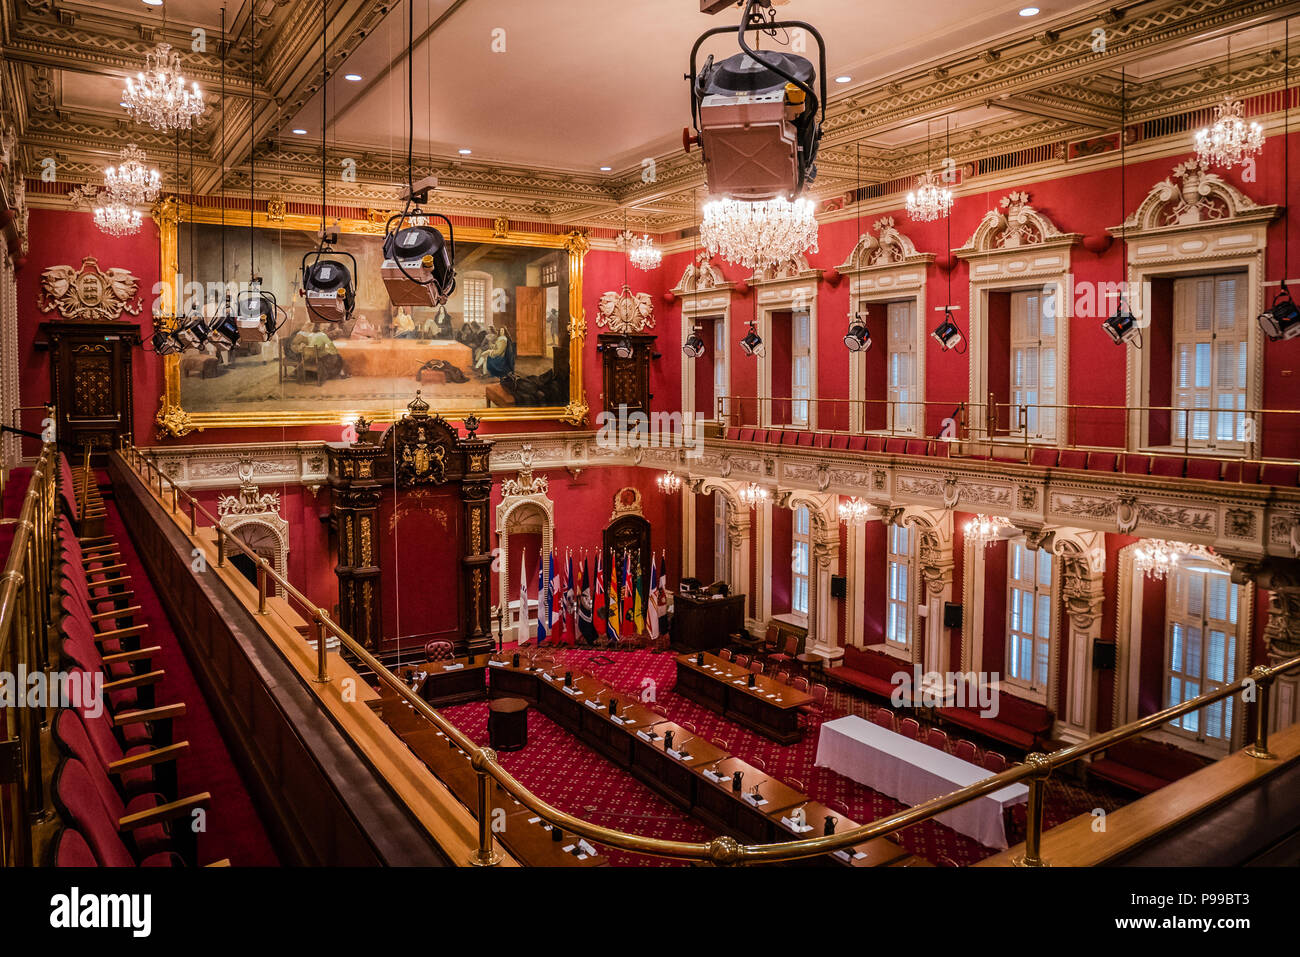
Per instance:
{"type": "Point", "coordinates": [573, 691]}
{"type": "Point", "coordinates": [797, 828]}
{"type": "Point", "coordinates": [496, 664]}
{"type": "Point", "coordinates": [456, 667]}
{"type": "Point", "coordinates": [844, 855]}
{"type": "Point", "coordinates": [643, 736]}
{"type": "Point", "coordinates": [679, 756]}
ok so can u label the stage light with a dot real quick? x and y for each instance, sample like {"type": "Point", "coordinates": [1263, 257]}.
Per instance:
{"type": "Point", "coordinates": [256, 309]}
{"type": "Point", "coordinates": [946, 333]}
{"type": "Point", "coordinates": [858, 338]}
{"type": "Point", "coordinates": [1281, 321]}
{"type": "Point", "coordinates": [752, 344]}
{"type": "Point", "coordinates": [223, 330]}
{"type": "Point", "coordinates": [165, 344]}
{"type": "Point", "coordinates": [192, 333]}
{"type": "Point", "coordinates": [419, 267]}
{"type": "Point", "coordinates": [756, 113]}
{"type": "Point", "coordinates": [327, 283]}
{"type": "Point", "coordinates": [1122, 327]}
{"type": "Point", "coordinates": [693, 347]}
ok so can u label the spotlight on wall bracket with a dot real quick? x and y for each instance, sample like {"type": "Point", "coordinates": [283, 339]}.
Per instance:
{"type": "Point", "coordinates": [693, 347]}
{"type": "Point", "coordinates": [419, 267]}
{"type": "Point", "coordinates": [858, 338]}
{"type": "Point", "coordinates": [1123, 327]}
{"type": "Point", "coordinates": [1280, 321]}
{"type": "Point", "coordinates": [946, 333]}
{"type": "Point", "coordinates": [752, 344]}
{"type": "Point", "coordinates": [327, 283]}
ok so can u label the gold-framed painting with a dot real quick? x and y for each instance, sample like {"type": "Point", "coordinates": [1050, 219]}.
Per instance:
{"type": "Point", "coordinates": [506, 345]}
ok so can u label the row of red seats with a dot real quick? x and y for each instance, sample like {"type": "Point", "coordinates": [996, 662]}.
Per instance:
{"type": "Point", "coordinates": [115, 787]}
{"type": "Point", "coordinates": [1279, 474]}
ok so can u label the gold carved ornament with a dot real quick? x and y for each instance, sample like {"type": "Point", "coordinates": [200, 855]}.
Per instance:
{"type": "Point", "coordinates": [89, 293]}
{"type": "Point", "coordinates": [626, 312]}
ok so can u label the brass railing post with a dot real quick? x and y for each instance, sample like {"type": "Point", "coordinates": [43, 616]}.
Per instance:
{"type": "Point", "coordinates": [1034, 812]}
{"type": "Point", "coordinates": [320, 633]}
{"type": "Point", "coordinates": [261, 587]}
{"type": "Point", "coordinates": [1259, 748]}
{"type": "Point", "coordinates": [194, 520]}
{"type": "Point", "coordinates": [485, 855]}
{"type": "Point", "coordinates": [221, 547]}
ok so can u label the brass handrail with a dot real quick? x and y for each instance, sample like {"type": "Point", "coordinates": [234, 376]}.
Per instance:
{"type": "Point", "coordinates": [25, 617]}
{"type": "Point", "coordinates": [721, 850]}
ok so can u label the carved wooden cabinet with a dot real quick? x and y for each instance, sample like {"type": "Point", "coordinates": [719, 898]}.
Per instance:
{"type": "Point", "coordinates": [90, 380]}
{"type": "Point", "coordinates": [627, 381]}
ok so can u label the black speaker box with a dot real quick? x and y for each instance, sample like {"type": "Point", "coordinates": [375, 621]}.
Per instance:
{"type": "Point", "coordinates": [951, 615]}
{"type": "Point", "coordinates": [839, 586]}
{"type": "Point", "coordinates": [1103, 655]}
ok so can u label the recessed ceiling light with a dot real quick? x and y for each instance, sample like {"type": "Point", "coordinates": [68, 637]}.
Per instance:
{"type": "Point", "coordinates": [464, 152]}
{"type": "Point", "coordinates": [352, 77]}
{"type": "Point", "coordinates": [300, 132]}
{"type": "Point", "coordinates": [153, 3]}
{"type": "Point", "coordinates": [1029, 11]}
{"type": "Point", "coordinates": [843, 79]}
{"type": "Point", "coordinates": [606, 169]}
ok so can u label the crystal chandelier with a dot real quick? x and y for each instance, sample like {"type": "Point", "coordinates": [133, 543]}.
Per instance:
{"type": "Point", "coordinates": [158, 95]}
{"type": "Point", "coordinates": [641, 250]}
{"type": "Point", "coordinates": [929, 200]}
{"type": "Point", "coordinates": [131, 182]}
{"type": "Point", "coordinates": [751, 496]}
{"type": "Point", "coordinates": [1229, 140]}
{"type": "Point", "coordinates": [670, 483]}
{"type": "Point", "coordinates": [1157, 557]}
{"type": "Point", "coordinates": [117, 219]}
{"type": "Point", "coordinates": [758, 235]}
{"type": "Point", "coordinates": [854, 511]}
{"type": "Point", "coordinates": [983, 529]}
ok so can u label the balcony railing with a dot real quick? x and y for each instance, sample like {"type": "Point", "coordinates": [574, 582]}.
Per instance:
{"type": "Point", "coordinates": [1035, 770]}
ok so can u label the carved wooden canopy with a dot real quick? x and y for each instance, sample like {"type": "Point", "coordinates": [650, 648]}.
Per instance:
{"type": "Point", "coordinates": [424, 449]}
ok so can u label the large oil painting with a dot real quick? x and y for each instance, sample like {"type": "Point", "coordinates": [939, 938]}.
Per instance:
{"type": "Point", "coordinates": [500, 342]}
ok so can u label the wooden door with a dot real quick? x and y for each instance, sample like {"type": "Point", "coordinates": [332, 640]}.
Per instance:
{"type": "Point", "coordinates": [530, 320]}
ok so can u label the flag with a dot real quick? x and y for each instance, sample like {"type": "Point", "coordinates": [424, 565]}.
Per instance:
{"type": "Point", "coordinates": [555, 596]}
{"type": "Point", "coordinates": [586, 608]}
{"type": "Point", "coordinates": [599, 610]}
{"type": "Point", "coordinates": [561, 631]}
{"type": "Point", "coordinates": [638, 598]}
{"type": "Point", "coordinates": [543, 599]}
{"type": "Point", "coordinates": [628, 609]}
{"type": "Point", "coordinates": [571, 592]}
{"type": "Point", "coordinates": [521, 630]}
{"type": "Point", "coordinates": [652, 613]}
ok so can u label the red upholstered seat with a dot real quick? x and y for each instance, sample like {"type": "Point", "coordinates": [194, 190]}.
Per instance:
{"type": "Point", "coordinates": [857, 443]}
{"type": "Point", "coordinates": [1137, 464]}
{"type": "Point", "coordinates": [937, 738]}
{"type": "Point", "coordinates": [745, 435]}
{"type": "Point", "coordinates": [916, 447]}
{"type": "Point", "coordinates": [1020, 723]}
{"type": "Point", "coordinates": [1205, 469]}
{"type": "Point", "coordinates": [895, 446]}
{"type": "Point", "coordinates": [1044, 457]}
{"type": "Point", "coordinates": [69, 849]}
{"type": "Point", "coordinates": [840, 441]}
{"type": "Point", "coordinates": [80, 805]}
{"type": "Point", "coordinates": [733, 433]}
{"type": "Point", "coordinates": [910, 728]}
{"type": "Point", "coordinates": [1144, 766]}
{"type": "Point", "coordinates": [806, 439]}
{"type": "Point", "coordinates": [875, 443]}
{"type": "Point", "coordinates": [789, 437]}
{"type": "Point", "coordinates": [439, 650]}
{"type": "Point", "coordinates": [994, 762]}
{"type": "Point", "coordinates": [966, 751]}
{"type": "Point", "coordinates": [823, 440]}
{"type": "Point", "coordinates": [869, 671]}
{"type": "Point", "coordinates": [1101, 461]}
{"type": "Point", "coordinates": [940, 448]}
{"type": "Point", "coordinates": [1073, 459]}
{"type": "Point", "coordinates": [1240, 472]}
{"type": "Point", "coordinates": [1283, 476]}
{"type": "Point", "coordinates": [883, 717]}
{"type": "Point", "coordinates": [1167, 466]}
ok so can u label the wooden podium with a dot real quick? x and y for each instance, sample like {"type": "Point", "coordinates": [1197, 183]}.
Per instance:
{"type": "Point", "coordinates": [703, 623]}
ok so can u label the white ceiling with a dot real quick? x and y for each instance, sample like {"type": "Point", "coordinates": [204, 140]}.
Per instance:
{"type": "Point", "coordinates": [600, 83]}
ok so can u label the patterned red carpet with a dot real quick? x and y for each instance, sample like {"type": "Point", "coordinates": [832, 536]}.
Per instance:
{"type": "Point", "coordinates": [581, 782]}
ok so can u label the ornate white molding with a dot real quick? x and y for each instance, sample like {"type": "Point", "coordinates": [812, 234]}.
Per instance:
{"type": "Point", "coordinates": [1013, 227]}
{"type": "Point", "coordinates": [626, 311]}
{"type": "Point", "coordinates": [1191, 196]}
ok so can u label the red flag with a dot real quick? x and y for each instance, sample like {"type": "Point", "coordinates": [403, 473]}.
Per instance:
{"type": "Point", "coordinates": [628, 624]}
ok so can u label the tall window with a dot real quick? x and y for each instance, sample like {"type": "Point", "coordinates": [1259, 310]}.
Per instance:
{"type": "Point", "coordinates": [719, 366]}
{"type": "Point", "coordinates": [1201, 653]}
{"type": "Point", "coordinates": [898, 617]}
{"type": "Point", "coordinates": [1033, 361]}
{"type": "Point", "coordinates": [1210, 360]}
{"type": "Point", "coordinates": [801, 368]}
{"type": "Point", "coordinates": [799, 563]}
{"type": "Point", "coordinates": [901, 386]}
{"type": "Point", "coordinates": [475, 294]}
{"type": "Point", "coordinates": [1029, 614]}
{"type": "Point", "coordinates": [720, 572]}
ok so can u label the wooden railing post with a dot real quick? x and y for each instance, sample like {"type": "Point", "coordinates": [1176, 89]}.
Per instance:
{"type": "Point", "coordinates": [1259, 748]}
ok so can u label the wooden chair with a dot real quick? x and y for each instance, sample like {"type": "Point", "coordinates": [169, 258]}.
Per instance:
{"type": "Point", "coordinates": [759, 763]}
{"type": "Point", "coordinates": [721, 743]}
{"type": "Point", "coordinates": [967, 752]}
{"type": "Point", "coordinates": [910, 728]}
{"type": "Point", "coordinates": [783, 677]}
{"type": "Point", "coordinates": [786, 655]}
{"type": "Point", "coordinates": [725, 654]}
{"type": "Point", "coordinates": [994, 762]}
{"type": "Point", "coordinates": [815, 710]}
{"type": "Point", "coordinates": [742, 660]}
{"type": "Point", "coordinates": [799, 684]}
{"type": "Point", "coordinates": [937, 738]}
{"type": "Point", "coordinates": [756, 667]}
{"type": "Point", "coordinates": [883, 717]}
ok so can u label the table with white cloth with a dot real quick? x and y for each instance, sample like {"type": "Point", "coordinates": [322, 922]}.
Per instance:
{"type": "Point", "coordinates": [913, 773]}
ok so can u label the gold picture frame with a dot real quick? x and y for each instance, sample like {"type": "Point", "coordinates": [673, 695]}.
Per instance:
{"type": "Point", "coordinates": [173, 420]}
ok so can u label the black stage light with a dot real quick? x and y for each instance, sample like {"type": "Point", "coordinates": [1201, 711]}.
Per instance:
{"type": "Point", "coordinates": [223, 329]}
{"type": "Point", "coordinates": [946, 333]}
{"type": "Point", "coordinates": [1122, 327]}
{"type": "Point", "coordinates": [328, 285]}
{"type": "Point", "coordinates": [258, 310]}
{"type": "Point", "coordinates": [693, 347]}
{"type": "Point", "coordinates": [1281, 321]}
{"type": "Point", "coordinates": [165, 344]}
{"type": "Point", "coordinates": [192, 333]}
{"type": "Point", "coordinates": [858, 338]}
{"type": "Point", "coordinates": [419, 267]}
{"type": "Point", "coordinates": [752, 344]}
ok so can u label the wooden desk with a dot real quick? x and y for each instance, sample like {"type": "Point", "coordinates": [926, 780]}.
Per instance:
{"type": "Point", "coordinates": [507, 680]}
{"type": "Point", "coordinates": [613, 738]}
{"type": "Point", "coordinates": [700, 623]}
{"type": "Point", "coordinates": [446, 684]}
{"type": "Point", "coordinates": [880, 852]}
{"type": "Point", "coordinates": [732, 812]}
{"type": "Point", "coordinates": [672, 777]}
{"type": "Point", "coordinates": [770, 708]}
